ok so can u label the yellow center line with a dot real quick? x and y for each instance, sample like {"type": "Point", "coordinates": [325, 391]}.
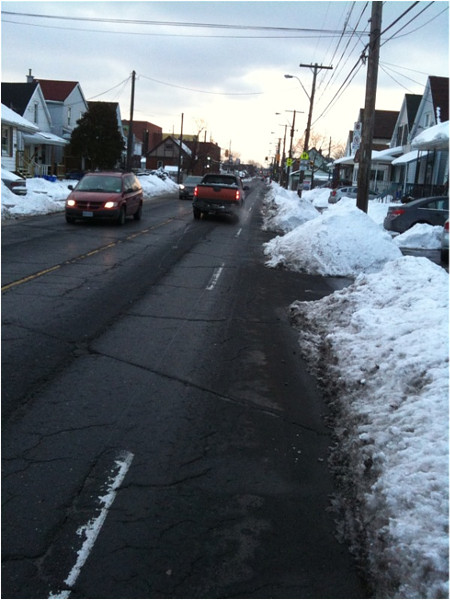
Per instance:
{"type": "Point", "coordinates": [70, 261]}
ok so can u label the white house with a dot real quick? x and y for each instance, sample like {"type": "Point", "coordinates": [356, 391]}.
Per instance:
{"type": "Point", "coordinates": [420, 171]}
{"type": "Point", "coordinates": [39, 155]}
{"type": "Point", "coordinates": [13, 128]}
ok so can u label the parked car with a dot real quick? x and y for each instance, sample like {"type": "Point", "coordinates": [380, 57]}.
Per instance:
{"type": "Point", "coordinates": [108, 195]}
{"type": "Point", "coordinates": [432, 211]}
{"type": "Point", "coordinates": [444, 243]}
{"type": "Point", "coordinates": [14, 182]}
{"type": "Point", "coordinates": [188, 186]}
{"type": "Point", "coordinates": [349, 191]}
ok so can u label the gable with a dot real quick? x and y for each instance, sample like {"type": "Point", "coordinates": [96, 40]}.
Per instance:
{"type": "Point", "coordinates": [57, 91]}
{"type": "Point", "coordinates": [439, 94]}
{"type": "Point", "coordinates": [17, 96]}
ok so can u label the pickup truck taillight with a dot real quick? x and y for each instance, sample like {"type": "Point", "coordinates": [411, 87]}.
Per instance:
{"type": "Point", "coordinates": [196, 192]}
{"type": "Point", "coordinates": [238, 195]}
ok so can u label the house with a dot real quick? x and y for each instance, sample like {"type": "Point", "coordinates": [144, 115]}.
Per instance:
{"type": "Point", "coordinates": [147, 134]}
{"type": "Point", "coordinates": [66, 104]}
{"type": "Point", "coordinates": [13, 128]}
{"type": "Point", "coordinates": [346, 168]}
{"type": "Point", "coordinates": [169, 152]}
{"type": "Point", "coordinates": [41, 149]}
{"type": "Point", "coordinates": [421, 172]}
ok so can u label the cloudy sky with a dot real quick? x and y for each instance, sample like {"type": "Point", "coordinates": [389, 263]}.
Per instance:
{"type": "Point", "coordinates": [221, 64]}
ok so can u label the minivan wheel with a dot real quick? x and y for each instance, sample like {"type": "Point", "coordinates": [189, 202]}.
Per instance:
{"type": "Point", "coordinates": [70, 219]}
{"type": "Point", "coordinates": [197, 213]}
{"type": "Point", "coordinates": [138, 214]}
{"type": "Point", "coordinates": [121, 219]}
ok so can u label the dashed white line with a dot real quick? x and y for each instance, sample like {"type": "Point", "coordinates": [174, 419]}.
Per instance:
{"type": "Point", "coordinates": [93, 527]}
{"type": "Point", "coordinates": [215, 277]}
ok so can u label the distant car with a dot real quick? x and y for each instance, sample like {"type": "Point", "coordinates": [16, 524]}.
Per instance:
{"type": "Point", "coordinates": [444, 243]}
{"type": "Point", "coordinates": [109, 195]}
{"type": "Point", "coordinates": [349, 191]}
{"type": "Point", "coordinates": [14, 182]}
{"type": "Point", "coordinates": [188, 186]}
{"type": "Point", "coordinates": [432, 211]}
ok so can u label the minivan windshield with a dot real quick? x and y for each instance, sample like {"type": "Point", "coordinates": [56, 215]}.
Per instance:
{"type": "Point", "coordinates": [100, 183]}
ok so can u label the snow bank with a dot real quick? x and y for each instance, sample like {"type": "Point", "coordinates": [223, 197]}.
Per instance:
{"type": "Point", "coordinates": [380, 348]}
{"type": "Point", "coordinates": [342, 241]}
{"type": "Point", "coordinates": [421, 236]}
{"type": "Point", "coordinates": [44, 197]}
{"type": "Point", "coordinates": [284, 210]}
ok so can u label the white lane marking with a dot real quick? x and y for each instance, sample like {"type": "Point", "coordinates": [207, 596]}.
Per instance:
{"type": "Point", "coordinates": [238, 233]}
{"type": "Point", "coordinates": [215, 277]}
{"type": "Point", "coordinates": [93, 527]}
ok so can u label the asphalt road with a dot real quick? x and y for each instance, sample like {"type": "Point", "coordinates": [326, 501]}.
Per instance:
{"type": "Point", "coordinates": [161, 435]}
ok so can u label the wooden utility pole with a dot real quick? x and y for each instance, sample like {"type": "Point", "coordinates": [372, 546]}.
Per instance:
{"type": "Point", "coordinates": [290, 151]}
{"type": "Point", "coordinates": [130, 126]}
{"type": "Point", "coordinates": [365, 150]}
{"type": "Point", "coordinates": [315, 69]}
{"type": "Point", "coordinates": [181, 150]}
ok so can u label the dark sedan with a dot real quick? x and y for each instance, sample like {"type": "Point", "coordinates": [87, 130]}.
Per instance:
{"type": "Point", "coordinates": [432, 211]}
{"type": "Point", "coordinates": [188, 186]}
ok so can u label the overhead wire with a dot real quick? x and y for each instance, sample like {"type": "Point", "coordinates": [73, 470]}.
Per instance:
{"type": "Point", "coordinates": [185, 24]}
{"type": "Point", "coordinates": [361, 59]}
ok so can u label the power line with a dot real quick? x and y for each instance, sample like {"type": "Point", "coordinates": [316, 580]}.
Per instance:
{"type": "Point", "coordinates": [307, 36]}
{"type": "Point", "coordinates": [175, 23]}
{"type": "Point", "coordinates": [202, 91]}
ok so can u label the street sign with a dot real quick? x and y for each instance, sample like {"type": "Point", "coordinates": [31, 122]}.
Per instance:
{"type": "Point", "coordinates": [304, 156]}
{"type": "Point", "coordinates": [289, 162]}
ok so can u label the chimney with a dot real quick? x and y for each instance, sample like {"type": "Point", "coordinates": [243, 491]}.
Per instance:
{"type": "Point", "coordinates": [30, 77]}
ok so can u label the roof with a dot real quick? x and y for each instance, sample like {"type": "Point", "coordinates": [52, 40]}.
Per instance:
{"type": "Point", "coordinates": [384, 123]}
{"type": "Point", "coordinates": [10, 117]}
{"type": "Point", "coordinates": [439, 93]}
{"type": "Point", "coordinates": [56, 90]}
{"type": "Point", "coordinates": [18, 95]}
{"type": "Point", "coordinates": [433, 138]}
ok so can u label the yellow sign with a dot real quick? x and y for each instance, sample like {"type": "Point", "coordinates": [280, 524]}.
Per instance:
{"type": "Point", "coordinates": [289, 162]}
{"type": "Point", "coordinates": [304, 156]}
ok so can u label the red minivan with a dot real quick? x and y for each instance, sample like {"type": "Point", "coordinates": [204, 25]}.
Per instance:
{"type": "Point", "coordinates": [110, 195]}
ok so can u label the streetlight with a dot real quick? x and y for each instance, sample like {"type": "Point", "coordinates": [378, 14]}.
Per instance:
{"type": "Point", "coordinates": [298, 79]}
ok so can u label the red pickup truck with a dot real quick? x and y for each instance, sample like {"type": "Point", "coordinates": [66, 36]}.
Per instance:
{"type": "Point", "coordinates": [218, 194]}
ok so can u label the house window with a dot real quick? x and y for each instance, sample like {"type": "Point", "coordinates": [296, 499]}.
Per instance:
{"type": "Point", "coordinates": [427, 120]}
{"type": "Point", "coordinates": [6, 140]}
{"type": "Point", "coordinates": [69, 115]}
{"type": "Point", "coordinates": [35, 112]}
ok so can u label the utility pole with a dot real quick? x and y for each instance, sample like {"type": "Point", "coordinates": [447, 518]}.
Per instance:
{"type": "Point", "coordinates": [130, 126]}
{"type": "Point", "coordinates": [290, 152]}
{"type": "Point", "coordinates": [180, 151]}
{"type": "Point", "coordinates": [365, 151]}
{"type": "Point", "coordinates": [315, 69]}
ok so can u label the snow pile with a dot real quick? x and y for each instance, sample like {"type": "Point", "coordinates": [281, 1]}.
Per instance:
{"type": "Point", "coordinates": [45, 197]}
{"type": "Point", "coordinates": [380, 351]}
{"type": "Point", "coordinates": [284, 210]}
{"type": "Point", "coordinates": [342, 241]}
{"type": "Point", "coordinates": [153, 185]}
{"type": "Point", "coordinates": [421, 235]}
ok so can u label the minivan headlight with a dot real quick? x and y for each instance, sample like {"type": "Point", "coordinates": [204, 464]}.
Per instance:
{"type": "Point", "coordinates": [111, 204]}
{"type": "Point", "coordinates": [71, 202]}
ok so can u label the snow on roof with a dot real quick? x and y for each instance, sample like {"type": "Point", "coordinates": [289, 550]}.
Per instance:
{"type": "Point", "coordinates": [10, 117]}
{"type": "Point", "coordinates": [409, 157]}
{"type": "Point", "coordinates": [433, 138]}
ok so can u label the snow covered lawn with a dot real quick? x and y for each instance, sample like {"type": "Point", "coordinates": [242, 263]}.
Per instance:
{"type": "Point", "coordinates": [380, 350]}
